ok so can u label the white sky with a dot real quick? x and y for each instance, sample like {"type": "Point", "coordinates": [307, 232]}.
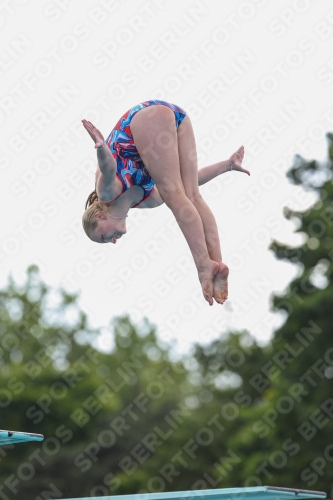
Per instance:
{"type": "Point", "coordinates": [60, 63]}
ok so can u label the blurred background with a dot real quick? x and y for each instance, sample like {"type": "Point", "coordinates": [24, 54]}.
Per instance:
{"type": "Point", "coordinates": [112, 353]}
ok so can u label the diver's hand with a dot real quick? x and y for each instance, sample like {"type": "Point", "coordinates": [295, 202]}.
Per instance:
{"type": "Point", "coordinates": [236, 160]}
{"type": "Point", "coordinates": [94, 133]}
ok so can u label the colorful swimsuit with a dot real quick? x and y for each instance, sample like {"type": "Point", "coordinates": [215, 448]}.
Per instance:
{"type": "Point", "coordinates": [130, 168]}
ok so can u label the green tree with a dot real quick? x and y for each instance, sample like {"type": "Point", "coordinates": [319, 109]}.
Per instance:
{"type": "Point", "coordinates": [109, 419]}
{"type": "Point", "coordinates": [281, 414]}
{"type": "Point", "coordinates": [305, 339]}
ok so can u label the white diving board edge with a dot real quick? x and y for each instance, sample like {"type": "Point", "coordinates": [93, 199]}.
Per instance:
{"type": "Point", "coordinates": [250, 493]}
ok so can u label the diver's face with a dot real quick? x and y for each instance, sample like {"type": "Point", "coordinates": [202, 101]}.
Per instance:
{"type": "Point", "coordinates": [108, 230]}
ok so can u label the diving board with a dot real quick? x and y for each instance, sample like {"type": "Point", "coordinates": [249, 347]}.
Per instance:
{"type": "Point", "coordinates": [13, 437]}
{"type": "Point", "coordinates": [251, 493]}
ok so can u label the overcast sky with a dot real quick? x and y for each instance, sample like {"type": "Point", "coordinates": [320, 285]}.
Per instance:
{"type": "Point", "coordinates": [257, 73]}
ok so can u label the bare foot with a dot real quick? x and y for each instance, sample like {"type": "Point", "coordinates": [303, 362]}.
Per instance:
{"type": "Point", "coordinates": [206, 277]}
{"type": "Point", "coordinates": [220, 284]}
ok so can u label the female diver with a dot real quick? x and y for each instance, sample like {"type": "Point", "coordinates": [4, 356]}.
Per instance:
{"type": "Point", "coordinates": [150, 158]}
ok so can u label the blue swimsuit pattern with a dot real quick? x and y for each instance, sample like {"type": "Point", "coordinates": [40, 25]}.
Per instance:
{"type": "Point", "coordinates": [130, 168]}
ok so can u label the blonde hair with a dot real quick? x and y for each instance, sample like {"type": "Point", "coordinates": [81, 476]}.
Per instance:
{"type": "Point", "coordinates": [88, 218]}
{"type": "Point", "coordinates": [91, 198]}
